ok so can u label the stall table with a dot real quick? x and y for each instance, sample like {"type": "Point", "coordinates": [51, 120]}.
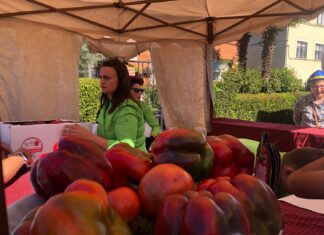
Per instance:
{"type": "Point", "coordinates": [298, 221]}
{"type": "Point", "coordinates": [302, 216]}
{"type": "Point", "coordinates": [285, 137]}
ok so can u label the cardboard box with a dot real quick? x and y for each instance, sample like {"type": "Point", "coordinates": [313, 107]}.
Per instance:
{"type": "Point", "coordinates": [37, 137]}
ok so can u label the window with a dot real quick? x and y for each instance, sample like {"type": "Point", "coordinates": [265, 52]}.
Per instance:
{"type": "Point", "coordinates": [319, 50]}
{"type": "Point", "coordinates": [301, 51]}
{"type": "Point", "coordinates": [320, 19]}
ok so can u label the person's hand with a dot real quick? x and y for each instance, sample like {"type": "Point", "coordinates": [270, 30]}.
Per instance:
{"type": "Point", "coordinates": [76, 130]}
{"type": "Point", "coordinates": [26, 153]}
{"type": "Point", "coordinates": [4, 149]}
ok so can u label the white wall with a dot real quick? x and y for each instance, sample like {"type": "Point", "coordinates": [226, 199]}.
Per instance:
{"type": "Point", "coordinates": [255, 50]}
{"type": "Point", "coordinates": [312, 34]}
{"type": "Point", "coordinates": [285, 53]}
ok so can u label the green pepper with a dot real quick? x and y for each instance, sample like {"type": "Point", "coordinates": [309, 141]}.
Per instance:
{"type": "Point", "coordinates": [185, 148]}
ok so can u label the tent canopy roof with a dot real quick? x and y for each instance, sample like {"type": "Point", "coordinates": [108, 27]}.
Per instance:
{"type": "Point", "coordinates": [143, 21]}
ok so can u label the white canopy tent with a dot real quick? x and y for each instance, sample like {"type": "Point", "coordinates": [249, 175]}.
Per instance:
{"type": "Point", "coordinates": [41, 43]}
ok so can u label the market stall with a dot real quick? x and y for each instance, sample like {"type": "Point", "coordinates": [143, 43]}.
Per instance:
{"type": "Point", "coordinates": [41, 46]}
{"type": "Point", "coordinates": [179, 34]}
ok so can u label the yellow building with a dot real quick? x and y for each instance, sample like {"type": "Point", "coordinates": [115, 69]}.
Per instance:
{"type": "Point", "coordinates": [298, 47]}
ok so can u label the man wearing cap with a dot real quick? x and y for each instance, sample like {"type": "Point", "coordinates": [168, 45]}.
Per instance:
{"type": "Point", "coordinates": [309, 109]}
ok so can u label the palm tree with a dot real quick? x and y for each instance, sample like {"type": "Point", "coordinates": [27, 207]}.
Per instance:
{"type": "Point", "coordinates": [269, 36]}
{"type": "Point", "coordinates": [242, 46]}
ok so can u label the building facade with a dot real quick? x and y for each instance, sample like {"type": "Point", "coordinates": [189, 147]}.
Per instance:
{"type": "Point", "coordinates": [298, 47]}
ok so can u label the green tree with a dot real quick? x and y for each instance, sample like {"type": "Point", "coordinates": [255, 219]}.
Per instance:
{"type": "Point", "coordinates": [88, 60]}
{"type": "Point", "coordinates": [269, 36]}
{"type": "Point", "coordinates": [242, 46]}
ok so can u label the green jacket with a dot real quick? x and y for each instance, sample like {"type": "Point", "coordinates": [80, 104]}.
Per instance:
{"type": "Point", "coordinates": [125, 124]}
{"type": "Point", "coordinates": [150, 118]}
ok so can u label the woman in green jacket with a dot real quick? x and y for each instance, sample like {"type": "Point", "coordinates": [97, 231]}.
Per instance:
{"type": "Point", "coordinates": [120, 117]}
{"type": "Point", "coordinates": [136, 92]}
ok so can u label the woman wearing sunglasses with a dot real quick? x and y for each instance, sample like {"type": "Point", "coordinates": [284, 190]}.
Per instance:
{"type": "Point", "coordinates": [120, 116]}
{"type": "Point", "coordinates": [136, 92]}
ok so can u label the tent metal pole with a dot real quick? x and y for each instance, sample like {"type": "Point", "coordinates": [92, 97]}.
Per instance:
{"type": "Point", "coordinates": [3, 211]}
{"type": "Point", "coordinates": [209, 67]}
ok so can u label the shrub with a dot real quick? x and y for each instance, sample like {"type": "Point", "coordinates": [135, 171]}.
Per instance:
{"type": "Point", "coordinates": [250, 81]}
{"type": "Point", "coordinates": [282, 80]}
{"type": "Point", "coordinates": [275, 107]}
{"type": "Point", "coordinates": [241, 81]}
{"type": "Point", "coordinates": [151, 96]}
{"type": "Point", "coordinates": [89, 99]}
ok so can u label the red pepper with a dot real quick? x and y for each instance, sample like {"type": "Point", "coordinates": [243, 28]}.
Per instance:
{"type": "Point", "coordinates": [130, 164]}
{"type": "Point", "coordinates": [256, 197]}
{"type": "Point", "coordinates": [231, 157]}
{"type": "Point", "coordinates": [75, 159]}
{"type": "Point", "coordinates": [197, 213]}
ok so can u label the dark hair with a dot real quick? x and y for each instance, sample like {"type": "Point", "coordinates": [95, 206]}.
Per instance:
{"type": "Point", "coordinates": [136, 80]}
{"type": "Point", "coordinates": [122, 91]}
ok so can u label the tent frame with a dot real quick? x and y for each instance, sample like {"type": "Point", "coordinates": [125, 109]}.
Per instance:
{"type": "Point", "coordinates": [209, 36]}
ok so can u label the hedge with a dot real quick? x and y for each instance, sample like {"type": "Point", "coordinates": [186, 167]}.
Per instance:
{"type": "Point", "coordinates": [273, 107]}
{"type": "Point", "coordinates": [250, 81]}
{"type": "Point", "coordinates": [270, 107]}
{"type": "Point", "coordinates": [89, 99]}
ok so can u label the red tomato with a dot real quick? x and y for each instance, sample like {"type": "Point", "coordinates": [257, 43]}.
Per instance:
{"type": "Point", "coordinates": [91, 187]}
{"type": "Point", "coordinates": [161, 181]}
{"type": "Point", "coordinates": [125, 202]}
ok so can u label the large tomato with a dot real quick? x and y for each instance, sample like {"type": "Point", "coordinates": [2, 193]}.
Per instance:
{"type": "Point", "coordinates": [161, 181]}
{"type": "Point", "coordinates": [89, 186]}
{"type": "Point", "coordinates": [125, 202]}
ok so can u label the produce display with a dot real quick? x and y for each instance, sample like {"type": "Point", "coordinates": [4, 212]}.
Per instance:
{"type": "Point", "coordinates": [125, 202]}
{"type": "Point", "coordinates": [201, 213]}
{"type": "Point", "coordinates": [258, 200]}
{"type": "Point", "coordinates": [183, 186]}
{"type": "Point", "coordinates": [163, 180]}
{"type": "Point", "coordinates": [83, 209]}
{"type": "Point", "coordinates": [185, 148]}
{"type": "Point", "coordinates": [231, 157]}
{"type": "Point", "coordinates": [75, 159]}
{"type": "Point", "coordinates": [129, 164]}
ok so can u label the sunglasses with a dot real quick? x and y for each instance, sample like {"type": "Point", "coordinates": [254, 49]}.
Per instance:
{"type": "Point", "coordinates": [317, 87]}
{"type": "Point", "coordinates": [138, 90]}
